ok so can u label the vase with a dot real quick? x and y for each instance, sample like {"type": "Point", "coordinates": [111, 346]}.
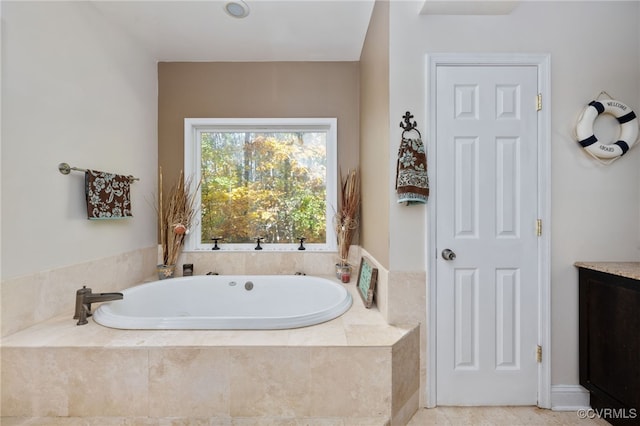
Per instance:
{"type": "Point", "coordinates": [166, 271]}
{"type": "Point", "coordinates": [343, 272]}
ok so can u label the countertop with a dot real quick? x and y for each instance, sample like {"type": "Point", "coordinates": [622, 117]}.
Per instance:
{"type": "Point", "coordinates": [623, 269]}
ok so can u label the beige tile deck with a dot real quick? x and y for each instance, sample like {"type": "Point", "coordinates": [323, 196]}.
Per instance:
{"type": "Point", "coordinates": [357, 327]}
{"type": "Point", "coordinates": [302, 376]}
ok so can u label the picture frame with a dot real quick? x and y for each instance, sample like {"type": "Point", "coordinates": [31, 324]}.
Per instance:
{"type": "Point", "coordinates": [367, 279]}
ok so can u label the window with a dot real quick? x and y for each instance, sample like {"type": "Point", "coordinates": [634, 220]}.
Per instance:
{"type": "Point", "coordinates": [270, 178]}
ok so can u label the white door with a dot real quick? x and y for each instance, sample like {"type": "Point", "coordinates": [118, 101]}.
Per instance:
{"type": "Point", "coordinates": [486, 186]}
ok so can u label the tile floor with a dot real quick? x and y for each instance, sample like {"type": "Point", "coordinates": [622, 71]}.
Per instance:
{"type": "Point", "coordinates": [512, 416]}
{"type": "Point", "coordinates": [448, 416]}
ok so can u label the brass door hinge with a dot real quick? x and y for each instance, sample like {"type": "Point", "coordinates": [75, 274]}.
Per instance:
{"type": "Point", "coordinates": [539, 227]}
{"type": "Point", "coordinates": [539, 102]}
{"type": "Point", "coordinates": [539, 353]}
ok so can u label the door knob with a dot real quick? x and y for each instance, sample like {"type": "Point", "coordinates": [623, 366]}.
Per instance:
{"type": "Point", "coordinates": [448, 254]}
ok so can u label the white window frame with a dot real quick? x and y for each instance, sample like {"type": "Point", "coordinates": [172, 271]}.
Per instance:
{"type": "Point", "coordinates": [192, 167]}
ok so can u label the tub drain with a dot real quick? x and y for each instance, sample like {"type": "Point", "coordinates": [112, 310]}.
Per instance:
{"type": "Point", "coordinates": [248, 285]}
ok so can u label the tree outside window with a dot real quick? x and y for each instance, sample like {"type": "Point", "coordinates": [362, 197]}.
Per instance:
{"type": "Point", "coordinates": [270, 180]}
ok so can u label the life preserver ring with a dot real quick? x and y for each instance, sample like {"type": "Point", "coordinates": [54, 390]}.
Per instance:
{"type": "Point", "coordinates": [628, 128]}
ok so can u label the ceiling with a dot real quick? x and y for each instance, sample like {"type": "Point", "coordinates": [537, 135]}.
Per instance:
{"type": "Point", "coordinates": [289, 30]}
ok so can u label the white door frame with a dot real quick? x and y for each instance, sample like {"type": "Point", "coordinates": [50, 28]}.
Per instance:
{"type": "Point", "coordinates": [543, 64]}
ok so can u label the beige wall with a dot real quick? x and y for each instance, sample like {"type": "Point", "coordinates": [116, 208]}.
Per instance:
{"type": "Point", "coordinates": [255, 90]}
{"type": "Point", "coordinates": [75, 89]}
{"type": "Point", "coordinates": [374, 131]}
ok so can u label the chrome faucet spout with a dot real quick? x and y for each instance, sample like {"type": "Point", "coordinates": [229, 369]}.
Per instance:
{"type": "Point", "coordinates": [85, 297]}
{"type": "Point", "coordinates": [102, 297]}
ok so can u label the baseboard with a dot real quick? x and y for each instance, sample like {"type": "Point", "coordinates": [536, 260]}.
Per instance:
{"type": "Point", "coordinates": [569, 398]}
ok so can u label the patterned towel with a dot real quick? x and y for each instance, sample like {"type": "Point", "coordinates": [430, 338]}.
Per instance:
{"type": "Point", "coordinates": [107, 195]}
{"type": "Point", "coordinates": [412, 182]}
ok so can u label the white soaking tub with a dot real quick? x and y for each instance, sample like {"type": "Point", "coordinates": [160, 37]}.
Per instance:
{"type": "Point", "coordinates": [227, 302]}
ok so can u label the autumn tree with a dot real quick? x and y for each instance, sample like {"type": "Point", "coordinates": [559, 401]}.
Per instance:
{"type": "Point", "coordinates": [263, 184]}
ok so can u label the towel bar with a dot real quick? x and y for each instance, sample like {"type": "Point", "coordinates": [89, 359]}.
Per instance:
{"type": "Point", "coordinates": [65, 169]}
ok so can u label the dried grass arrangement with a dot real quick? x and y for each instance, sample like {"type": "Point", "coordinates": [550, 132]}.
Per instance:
{"type": "Point", "coordinates": [346, 220]}
{"type": "Point", "coordinates": [175, 216]}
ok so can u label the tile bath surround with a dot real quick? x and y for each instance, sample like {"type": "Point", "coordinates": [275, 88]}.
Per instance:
{"type": "Point", "coordinates": [353, 367]}
{"type": "Point", "coordinates": [52, 292]}
{"type": "Point", "coordinates": [30, 299]}
{"type": "Point", "coordinates": [48, 339]}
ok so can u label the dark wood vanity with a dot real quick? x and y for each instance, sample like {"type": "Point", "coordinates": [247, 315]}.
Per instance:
{"type": "Point", "coordinates": [610, 338]}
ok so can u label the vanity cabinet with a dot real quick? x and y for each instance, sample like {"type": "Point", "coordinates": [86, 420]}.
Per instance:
{"type": "Point", "coordinates": [610, 343]}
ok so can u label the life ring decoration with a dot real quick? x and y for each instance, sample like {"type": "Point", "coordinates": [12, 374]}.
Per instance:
{"type": "Point", "coordinates": [628, 129]}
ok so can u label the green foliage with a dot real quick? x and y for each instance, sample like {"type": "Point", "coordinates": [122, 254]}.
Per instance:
{"type": "Point", "coordinates": [263, 184]}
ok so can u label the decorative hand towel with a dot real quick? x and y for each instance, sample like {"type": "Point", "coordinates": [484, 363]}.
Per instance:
{"type": "Point", "coordinates": [107, 195]}
{"type": "Point", "coordinates": [412, 182]}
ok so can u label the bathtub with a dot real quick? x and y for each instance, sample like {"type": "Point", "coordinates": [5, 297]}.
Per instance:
{"type": "Point", "coordinates": [227, 302]}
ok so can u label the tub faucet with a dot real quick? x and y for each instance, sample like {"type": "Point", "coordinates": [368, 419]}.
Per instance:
{"type": "Point", "coordinates": [258, 239]}
{"type": "Point", "coordinates": [84, 299]}
{"type": "Point", "coordinates": [215, 243]}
